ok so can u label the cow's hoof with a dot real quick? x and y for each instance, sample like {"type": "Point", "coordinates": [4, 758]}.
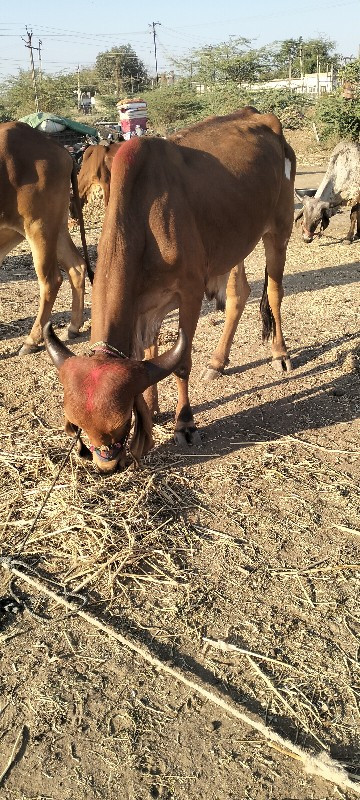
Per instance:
{"type": "Point", "coordinates": [26, 349]}
{"type": "Point", "coordinates": [187, 436]}
{"type": "Point", "coordinates": [281, 364]}
{"type": "Point", "coordinates": [210, 374]}
{"type": "Point", "coordinates": [347, 241]}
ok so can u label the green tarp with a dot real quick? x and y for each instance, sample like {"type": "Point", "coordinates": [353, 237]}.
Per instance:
{"type": "Point", "coordinates": [34, 120]}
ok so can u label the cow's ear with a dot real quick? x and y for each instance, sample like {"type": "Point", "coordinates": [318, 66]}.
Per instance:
{"type": "Point", "coordinates": [142, 440]}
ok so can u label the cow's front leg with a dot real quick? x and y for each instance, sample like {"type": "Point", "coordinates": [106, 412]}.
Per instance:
{"type": "Point", "coordinates": [185, 428]}
{"type": "Point", "coordinates": [237, 293]}
{"type": "Point", "coordinates": [354, 221]}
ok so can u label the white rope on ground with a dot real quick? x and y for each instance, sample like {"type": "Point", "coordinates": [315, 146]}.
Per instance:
{"type": "Point", "coordinates": [321, 765]}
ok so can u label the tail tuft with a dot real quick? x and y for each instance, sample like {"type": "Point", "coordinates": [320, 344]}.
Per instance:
{"type": "Point", "coordinates": [268, 322]}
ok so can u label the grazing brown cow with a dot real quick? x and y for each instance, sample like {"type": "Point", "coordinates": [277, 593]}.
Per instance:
{"type": "Point", "coordinates": [95, 170]}
{"type": "Point", "coordinates": [35, 175]}
{"type": "Point", "coordinates": [182, 213]}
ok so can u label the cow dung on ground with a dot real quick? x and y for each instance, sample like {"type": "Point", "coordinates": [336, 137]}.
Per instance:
{"type": "Point", "coordinates": [251, 539]}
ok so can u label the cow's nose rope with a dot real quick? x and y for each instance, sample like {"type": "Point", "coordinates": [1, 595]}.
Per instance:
{"type": "Point", "coordinates": [104, 347]}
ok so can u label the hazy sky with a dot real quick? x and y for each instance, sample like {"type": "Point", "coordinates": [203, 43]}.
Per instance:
{"type": "Point", "coordinates": [74, 31]}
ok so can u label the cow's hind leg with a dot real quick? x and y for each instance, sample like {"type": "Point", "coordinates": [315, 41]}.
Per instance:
{"type": "Point", "coordinates": [70, 258]}
{"type": "Point", "coordinates": [271, 301]}
{"type": "Point", "coordinates": [237, 293]}
{"type": "Point", "coordinates": [185, 428]}
{"type": "Point", "coordinates": [43, 248]}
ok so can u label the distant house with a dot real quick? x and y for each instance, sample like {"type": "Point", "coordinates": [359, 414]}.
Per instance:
{"type": "Point", "coordinates": [311, 83]}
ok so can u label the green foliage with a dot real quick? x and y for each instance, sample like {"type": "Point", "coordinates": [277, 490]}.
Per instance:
{"type": "Point", "coordinates": [233, 60]}
{"type": "Point", "coordinates": [120, 71]}
{"type": "Point", "coordinates": [173, 107]}
{"type": "Point", "coordinates": [56, 94]}
{"type": "Point", "coordinates": [303, 54]}
{"type": "Point", "coordinates": [337, 118]}
{"type": "Point", "coordinates": [351, 74]}
{"type": "Point", "coordinates": [289, 106]}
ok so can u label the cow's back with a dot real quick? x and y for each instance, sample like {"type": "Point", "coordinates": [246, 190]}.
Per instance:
{"type": "Point", "coordinates": [225, 174]}
{"type": "Point", "coordinates": [29, 163]}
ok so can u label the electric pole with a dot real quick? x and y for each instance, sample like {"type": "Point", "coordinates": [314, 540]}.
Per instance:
{"type": "Point", "coordinates": [301, 61]}
{"type": "Point", "coordinates": [40, 64]}
{"type": "Point", "coordinates": [31, 48]}
{"type": "Point", "coordinates": [153, 26]}
{"type": "Point", "coordinates": [78, 88]}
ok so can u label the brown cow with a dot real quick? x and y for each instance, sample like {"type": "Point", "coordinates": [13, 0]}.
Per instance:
{"type": "Point", "coordinates": [182, 213]}
{"type": "Point", "coordinates": [95, 170]}
{"type": "Point", "coordinates": [35, 175]}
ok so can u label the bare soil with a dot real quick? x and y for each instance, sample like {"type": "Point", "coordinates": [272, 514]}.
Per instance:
{"type": "Point", "coordinates": [251, 538]}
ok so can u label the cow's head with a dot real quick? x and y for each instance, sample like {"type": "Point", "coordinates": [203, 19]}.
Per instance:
{"type": "Point", "coordinates": [100, 394]}
{"type": "Point", "coordinates": [314, 212]}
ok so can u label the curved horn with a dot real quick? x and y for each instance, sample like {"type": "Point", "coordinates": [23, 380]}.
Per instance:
{"type": "Point", "coordinates": [58, 352]}
{"type": "Point", "coordinates": [160, 367]}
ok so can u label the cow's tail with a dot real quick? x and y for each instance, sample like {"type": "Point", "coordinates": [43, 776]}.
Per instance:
{"type": "Point", "coordinates": [268, 321]}
{"type": "Point", "coordinates": [80, 217]}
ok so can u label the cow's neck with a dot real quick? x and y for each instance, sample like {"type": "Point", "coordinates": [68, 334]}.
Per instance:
{"type": "Point", "coordinates": [113, 305]}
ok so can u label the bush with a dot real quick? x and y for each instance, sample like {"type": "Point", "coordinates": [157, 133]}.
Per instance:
{"type": "Point", "coordinates": [173, 107]}
{"type": "Point", "coordinates": [337, 118]}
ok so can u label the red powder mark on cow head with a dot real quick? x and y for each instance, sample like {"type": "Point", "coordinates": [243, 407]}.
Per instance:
{"type": "Point", "coordinates": [92, 381]}
{"type": "Point", "coordinates": [127, 152]}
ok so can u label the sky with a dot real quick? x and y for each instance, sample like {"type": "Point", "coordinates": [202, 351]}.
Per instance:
{"type": "Point", "coordinates": [73, 31]}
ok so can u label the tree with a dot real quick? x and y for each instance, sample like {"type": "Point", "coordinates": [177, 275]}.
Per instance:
{"type": "Point", "coordinates": [120, 71]}
{"type": "Point", "coordinates": [303, 54]}
{"type": "Point", "coordinates": [350, 74]}
{"type": "Point", "coordinates": [233, 60]}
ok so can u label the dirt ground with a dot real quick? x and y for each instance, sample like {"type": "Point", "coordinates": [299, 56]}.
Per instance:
{"type": "Point", "coordinates": [251, 539]}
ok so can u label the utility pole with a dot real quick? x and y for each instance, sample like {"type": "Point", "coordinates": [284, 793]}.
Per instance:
{"type": "Point", "coordinates": [301, 61]}
{"type": "Point", "coordinates": [31, 48]}
{"type": "Point", "coordinates": [317, 75]}
{"type": "Point", "coordinates": [78, 88]}
{"type": "Point", "coordinates": [40, 64]}
{"type": "Point", "coordinates": [153, 26]}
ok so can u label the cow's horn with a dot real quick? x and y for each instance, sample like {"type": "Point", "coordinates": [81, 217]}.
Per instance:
{"type": "Point", "coordinates": [58, 352]}
{"type": "Point", "coordinates": [160, 367]}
